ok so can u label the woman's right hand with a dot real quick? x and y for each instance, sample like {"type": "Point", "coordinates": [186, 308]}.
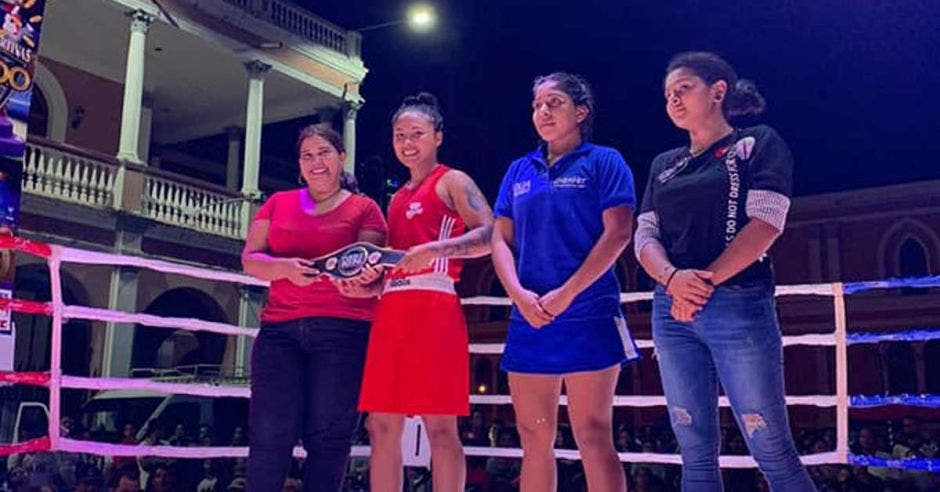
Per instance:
{"type": "Point", "coordinates": [369, 274]}
{"type": "Point", "coordinates": [528, 304]}
{"type": "Point", "coordinates": [298, 271]}
{"type": "Point", "coordinates": [691, 286]}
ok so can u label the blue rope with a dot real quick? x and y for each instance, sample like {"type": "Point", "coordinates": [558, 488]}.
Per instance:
{"type": "Point", "coordinates": [931, 465]}
{"type": "Point", "coordinates": [926, 401]}
{"type": "Point", "coordinates": [920, 335]}
{"type": "Point", "coordinates": [891, 283]}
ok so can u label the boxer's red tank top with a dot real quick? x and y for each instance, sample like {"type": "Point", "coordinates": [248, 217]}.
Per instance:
{"type": "Point", "coordinates": [418, 215]}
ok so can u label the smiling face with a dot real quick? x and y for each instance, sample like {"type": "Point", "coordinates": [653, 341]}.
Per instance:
{"type": "Point", "coordinates": [554, 113]}
{"type": "Point", "coordinates": [414, 139]}
{"type": "Point", "coordinates": [690, 101]}
{"type": "Point", "coordinates": [321, 165]}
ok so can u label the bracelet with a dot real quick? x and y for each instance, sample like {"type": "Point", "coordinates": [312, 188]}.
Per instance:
{"type": "Point", "coordinates": [663, 273]}
{"type": "Point", "coordinates": [671, 276]}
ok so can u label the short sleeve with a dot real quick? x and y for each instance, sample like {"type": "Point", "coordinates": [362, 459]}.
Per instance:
{"type": "Point", "coordinates": [615, 182]}
{"type": "Point", "coordinates": [266, 212]}
{"type": "Point", "coordinates": [372, 219]}
{"type": "Point", "coordinates": [771, 166]}
{"type": "Point", "coordinates": [503, 206]}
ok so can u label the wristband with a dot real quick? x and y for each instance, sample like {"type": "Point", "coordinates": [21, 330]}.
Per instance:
{"type": "Point", "coordinates": [671, 276]}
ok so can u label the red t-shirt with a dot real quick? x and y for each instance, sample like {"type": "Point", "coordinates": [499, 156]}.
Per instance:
{"type": "Point", "coordinates": [294, 233]}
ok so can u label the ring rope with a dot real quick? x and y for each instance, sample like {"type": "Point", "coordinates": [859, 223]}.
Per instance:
{"type": "Point", "coordinates": [55, 380]}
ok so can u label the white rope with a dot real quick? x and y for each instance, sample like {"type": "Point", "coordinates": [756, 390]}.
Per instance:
{"type": "Point", "coordinates": [58, 381]}
{"type": "Point", "coordinates": [106, 449]}
{"type": "Point", "coordinates": [823, 401]}
{"type": "Point", "coordinates": [188, 324]}
{"type": "Point", "coordinates": [73, 255]}
{"type": "Point", "coordinates": [193, 389]}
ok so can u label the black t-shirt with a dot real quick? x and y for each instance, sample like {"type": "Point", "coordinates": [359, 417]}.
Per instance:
{"type": "Point", "coordinates": [701, 202]}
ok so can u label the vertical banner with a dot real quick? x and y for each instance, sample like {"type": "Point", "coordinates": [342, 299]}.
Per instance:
{"type": "Point", "coordinates": [19, 45]}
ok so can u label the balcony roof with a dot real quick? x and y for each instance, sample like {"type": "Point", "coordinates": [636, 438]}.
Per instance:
{"type": "Point", "coordinates": [198, 83]}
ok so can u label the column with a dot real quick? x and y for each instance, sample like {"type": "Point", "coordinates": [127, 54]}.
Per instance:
{"type": "Point", "coordinates": [253, 122]}
{"type": "Point", "coordinates": [134, 86]}
{"type": "Point", "coordinates": [833, 252]}
{"type": "Point", "coordinates": [234, 134]}
{"type": "Point", "coordinates": [349, 134]}
{"type": "Point", "coordinates": [249, 308]}
{"type": "Point", "coordinates": [122, 296]}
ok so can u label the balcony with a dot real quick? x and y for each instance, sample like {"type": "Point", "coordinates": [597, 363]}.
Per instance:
{"type": "Point", "coordinates": [71, 174]}
{"type": "Point", "coordinates": [304, 24]}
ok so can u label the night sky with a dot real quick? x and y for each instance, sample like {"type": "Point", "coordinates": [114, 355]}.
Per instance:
{"type": "Point", "coordinates": [852, 86]}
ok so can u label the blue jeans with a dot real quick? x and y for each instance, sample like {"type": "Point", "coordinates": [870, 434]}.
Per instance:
{"type": "Point", "coordinates": [305, 379]}
{"type": "Point", "coordinates": [735, 339]}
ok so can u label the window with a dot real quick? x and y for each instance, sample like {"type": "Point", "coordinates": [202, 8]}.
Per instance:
{"type": "Point", "coordinates": [912, 259]}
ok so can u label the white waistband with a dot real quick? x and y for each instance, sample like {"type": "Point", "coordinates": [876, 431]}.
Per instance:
{"type": "Point", "coordinates": [431, 281]}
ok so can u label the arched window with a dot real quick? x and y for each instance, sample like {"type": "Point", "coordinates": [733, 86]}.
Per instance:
{"type": "Point", "coordinates": [912, 259]}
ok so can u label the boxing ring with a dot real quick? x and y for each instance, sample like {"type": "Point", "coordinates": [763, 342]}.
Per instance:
{"type": "Point", "coordinates": [55, 380]}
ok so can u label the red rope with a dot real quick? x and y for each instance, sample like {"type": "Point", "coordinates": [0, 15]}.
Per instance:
{"type": "Point", "coordinates": [25, 245]}
{"type": "Point", "coordinates": [27, 378]}
{"type": "Point", "coordinates": [31, 446]}
{"type": "Point", "coordinates": [24, 306]}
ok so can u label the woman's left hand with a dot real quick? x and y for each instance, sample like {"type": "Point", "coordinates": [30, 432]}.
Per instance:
{"type": "Point", "coordinates": [556, 302]}
{"type": "Point", "coordinates": [683, 311]}
{"type": "Point", "coordinates": [416, 258]}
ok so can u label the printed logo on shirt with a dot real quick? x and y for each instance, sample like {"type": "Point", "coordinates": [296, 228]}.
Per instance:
{"type": "Point", "coordinates": [744, 147]}
{"type": "Point", "coordinates": [521, 188]}
{"type": "Point", "coordinates": [671, 171]}
{"type": "Point", "coordinates": [414, 208]}
{"type": "Point", "coordinates": [734, 195]}
{"type": "Point", "coordinates": [570, 182]}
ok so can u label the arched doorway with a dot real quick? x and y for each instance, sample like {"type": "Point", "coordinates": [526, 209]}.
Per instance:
{"type": "Point", "coordinates": [34, 332]}
{"type": "Point", "coordinates": [163, 348]}
{"type": "Point", "coordinates": [38, 114]}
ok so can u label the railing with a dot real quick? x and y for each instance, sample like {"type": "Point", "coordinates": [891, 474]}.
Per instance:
{"type": "Point", "coordinates": [68, 173]}
{"type": "Point", "coordinates": [77, 175]}
{"type": "Point", "coordinates": [166, 198]}
{"type": "Point", "coordinates": [303, 23]}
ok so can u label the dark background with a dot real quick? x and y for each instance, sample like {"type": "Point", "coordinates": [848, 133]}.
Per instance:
{"type": "Point", "coordinates": [851, 86]}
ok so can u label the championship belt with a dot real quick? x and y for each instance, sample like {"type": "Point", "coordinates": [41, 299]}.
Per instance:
{"type": "Point", "coordinates": [348, 262]}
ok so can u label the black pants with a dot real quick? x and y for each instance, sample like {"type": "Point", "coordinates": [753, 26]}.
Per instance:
{"type": "Point", "coordinates": [305, 379]}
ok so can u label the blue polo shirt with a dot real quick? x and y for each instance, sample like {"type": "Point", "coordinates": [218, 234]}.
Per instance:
{"type": "Point", "coordinates": [557, 220]}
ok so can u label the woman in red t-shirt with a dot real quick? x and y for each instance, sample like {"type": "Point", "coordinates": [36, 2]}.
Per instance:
{"type": "Point", "coordinates": [307, 361]}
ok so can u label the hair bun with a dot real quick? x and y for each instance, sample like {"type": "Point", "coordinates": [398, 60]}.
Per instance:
{"type": "Point", "coordinates": [746, 100]}
{"type": "Point", "coordinates": [426, 98]}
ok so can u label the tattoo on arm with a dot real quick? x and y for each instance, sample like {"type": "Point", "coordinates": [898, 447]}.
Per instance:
{"type": "Point", "coordinates": [474, 198]}
{"type": "Point", "coordinates": [467, 245]}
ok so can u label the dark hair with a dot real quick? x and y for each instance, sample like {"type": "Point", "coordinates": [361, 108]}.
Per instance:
{"type": "Point", "coordinates": [325, 132]}
{"type": "Point", "coordinates": [578, 89]}
{"type": "Point", "coordinates": [347, 180]}
{"type": "Point", "coordinates": [424, 103]}
{"type": "Point", "coordinates": [742, 98]}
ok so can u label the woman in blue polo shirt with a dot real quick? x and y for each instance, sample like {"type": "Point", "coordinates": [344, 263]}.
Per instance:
{"type": "Point", "coordinates": [710, 213]}
{"type": "Point", "coordinates": [563, 217]}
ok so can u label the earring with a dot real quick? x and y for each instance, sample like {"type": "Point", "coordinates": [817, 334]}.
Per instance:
{"type": "Point", "coordinates": [300, 179]}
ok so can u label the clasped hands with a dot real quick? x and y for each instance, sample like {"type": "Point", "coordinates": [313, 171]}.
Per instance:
{"type": "Point", "coordinates": [690, 290]}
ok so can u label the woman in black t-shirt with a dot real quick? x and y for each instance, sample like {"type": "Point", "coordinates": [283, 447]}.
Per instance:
{"type": "Point", "coordinates": [710, 212]}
